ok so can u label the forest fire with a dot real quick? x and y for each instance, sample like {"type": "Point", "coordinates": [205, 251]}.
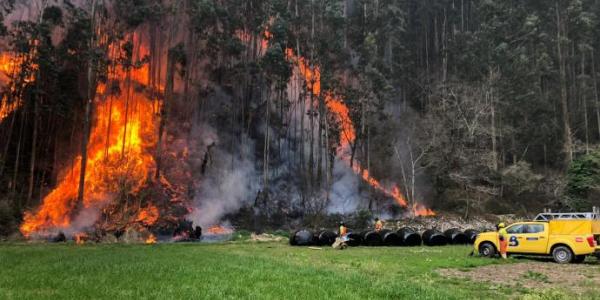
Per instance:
{"type": "Point", "coordinates": [219, 230]}
{"type": "Point", "coordinates": [80, 238]}
{"type": "Point", "coordinates": [7, 108]}
{"type": "Point", "coordinates": [124, 136]}
{"type": "Point", "coordinates": [148, 216]}
{"type": "Point", "coordinates": [151, 239]}
{"type": "Point", "coordinates": [118, 153]}
{"type": "Point", "coordinates": [9, 67]}
{"type": "Point", "coordinates": [312, 77]}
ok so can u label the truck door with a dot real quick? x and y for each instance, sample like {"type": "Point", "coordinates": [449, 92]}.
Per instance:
{"type": "Point", "coordinates": [534, 238]}
{"type": "Point", "coordinates": [514, 236]}
{"type": "Point", "coordinates": [527, 238]}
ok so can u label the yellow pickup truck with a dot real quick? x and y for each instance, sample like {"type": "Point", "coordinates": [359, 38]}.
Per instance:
{"type": "Point", "coordinates": [565, 240]}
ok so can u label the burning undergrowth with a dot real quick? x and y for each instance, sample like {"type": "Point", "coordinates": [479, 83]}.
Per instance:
{"type": "Point", "coordinates": [344, 198]}
{"type": "Point", "coordinates": [119, 192]}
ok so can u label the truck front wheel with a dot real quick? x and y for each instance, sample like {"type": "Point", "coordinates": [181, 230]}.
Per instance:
{"type": "Point", "coordinates": [487, 249]}
{"type": "Point", "coordinates": [562, 254]}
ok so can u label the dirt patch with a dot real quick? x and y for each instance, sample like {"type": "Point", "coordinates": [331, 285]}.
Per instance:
{"type": "Point", "coordinates": [577, 278]}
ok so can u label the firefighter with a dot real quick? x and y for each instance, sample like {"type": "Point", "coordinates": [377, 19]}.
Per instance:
{"type": "Point", "coordinates": [503, 239]}
{"type": "Point", "coordinates": [378, 225]}
{"type": "Point", "coordinates": [340, 241]}
{"type": "Point", "coordinates": [343, 230]}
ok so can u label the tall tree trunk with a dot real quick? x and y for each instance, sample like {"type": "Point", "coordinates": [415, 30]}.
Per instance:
{"type": "Point", "coordinates": [18, 156]}
{"type": "Point", "coordinates": [164, 111]}
{"type": "Point", "coordinates": [266, 146]}
{"type": "Point", "coordinates": [33, 147]}
{"type": "Point", "coordinates": [493, 110]}
{"type": "Point", "coordinates": [582, 92]}
{"type": "Point", "coordinates": [567, 142]}
{"type": "Point", "coordinates": [320, 143]}
{"type": "Point", "coordinates": [91, 88]}
{"type": "Point", "coordinates": [311, 158]}
{"type": "Point", "coordinates": [596, 100]}
{"type": "Point", "coordinates": [7, 140]}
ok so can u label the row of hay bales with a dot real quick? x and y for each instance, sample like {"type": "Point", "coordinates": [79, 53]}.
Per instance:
{"type": "Point", "coordinates": [405, 236]}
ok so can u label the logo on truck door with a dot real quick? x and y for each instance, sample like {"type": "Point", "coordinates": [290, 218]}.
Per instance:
{"type": "Point", "coordinates": [513, 242]}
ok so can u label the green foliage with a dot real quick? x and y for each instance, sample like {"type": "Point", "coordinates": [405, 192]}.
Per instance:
{"type": "Point", "coordinates": [583, 179]}
{"type": "Point", "coordinates": [276, 67]}
{"type": "Point", "coordinates": [53, 15]}
{"type": "Point", "coordinates": [135, 12]}
{"type": "Point", "coordinates": [520, 178]}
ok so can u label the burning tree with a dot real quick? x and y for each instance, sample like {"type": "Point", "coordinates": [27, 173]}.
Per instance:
{"type": "Point", "coordinates": [106, 181]}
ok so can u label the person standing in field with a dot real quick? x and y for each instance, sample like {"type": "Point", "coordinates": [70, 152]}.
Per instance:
{"type": "Point", "coordinates": [503, 239]}
{"type": "Point", "coordinates": [378, 225]}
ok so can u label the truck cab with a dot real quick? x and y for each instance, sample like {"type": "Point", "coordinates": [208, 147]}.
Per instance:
{"type": "Point", "coordinates": [565, 240]}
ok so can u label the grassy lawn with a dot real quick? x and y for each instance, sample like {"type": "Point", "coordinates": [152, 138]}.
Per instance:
{"type": "Point", "coordinates": [239, 270]}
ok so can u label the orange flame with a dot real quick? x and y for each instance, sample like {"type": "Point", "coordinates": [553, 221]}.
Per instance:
{"type": "Point", "coordinates": [148, 216]}
{"type": "Point", "coordinates": [265, 41]}
{"type": "Point", "coordinates": [420, 210]}
{"type": "Point", "coordinates": [7, 108]}
{"type": "Point", "coordinates": [258, 43]}
{"type": "Point", "coordinates": [312, 78]}
{"type": "Point", "coordinates": [217, 230]}
{"type": "Point", "coordinates": [151, 239]}
{"type": "Point", "coordinates": [119, 153]}
{"type": "Point", "coordinates": [81, 238]}
{"type": "Point", "coordinates": [10, 65]}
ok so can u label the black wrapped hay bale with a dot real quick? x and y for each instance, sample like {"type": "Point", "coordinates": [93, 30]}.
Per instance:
{"type": "Point", "coordinates": [390, 238]}
{"type": "Point", "coordinates": [434, 237]}
{"type": "Point", "coordinates": [372, 238]}
{"type": "Point", "coordinates": [354, 239]}
{"type": "Point", "coordinates": [58, 238]}
{"type": "Point", "coordinates": [302, 237]}
{"type": "Point", "coordinates": [471, 235]}
{"type": "Point", "coordinates": [197, 233]}
{"type": "Point", "coordinates": [456, 237]}
{"type": "Point", "coordinates": [409, 237]}
{"type": "Point", "coordinates": [325, 238]}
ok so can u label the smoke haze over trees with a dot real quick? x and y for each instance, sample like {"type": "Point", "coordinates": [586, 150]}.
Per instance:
{"type": "Point", "coordinates": [231, 108]}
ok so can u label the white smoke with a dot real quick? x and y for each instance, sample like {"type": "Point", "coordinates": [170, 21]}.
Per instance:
{"type": "Point", "coordinates": [85, 219]}
{"type": "Point", "coordinates": [228, 182]}
{"type": "Point", "coordinates": [344, 197]}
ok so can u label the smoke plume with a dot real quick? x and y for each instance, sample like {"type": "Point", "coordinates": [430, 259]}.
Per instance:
{"type": "Point", "coordinates": [228, 181]}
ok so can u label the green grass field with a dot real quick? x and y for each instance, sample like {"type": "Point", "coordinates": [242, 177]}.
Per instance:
{"type": "Point", "coordinates": [234, 270]}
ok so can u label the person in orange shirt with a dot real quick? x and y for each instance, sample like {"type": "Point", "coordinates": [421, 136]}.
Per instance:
{"type": "Point", "coordinates": [340, 241]}
{"type": "Point", "coordinates": [343, 230]}
{"type": "Point", "coordinates": [378, 225]}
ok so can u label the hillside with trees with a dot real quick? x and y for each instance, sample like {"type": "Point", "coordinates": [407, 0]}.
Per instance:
{"type": "Point", "coordinates": [279, 112]}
